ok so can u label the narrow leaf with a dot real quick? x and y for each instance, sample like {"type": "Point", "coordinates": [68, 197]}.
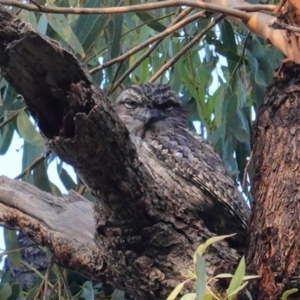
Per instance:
{"type": "Point", "coordinates": [61, 26]}
{"type": "Point", "coordinates": [237, 279]}
{"type": "Point", "coordinates": [200, 250]}
{"type": "Point", "coordinates": [118, 295]}
{"type": "Point", "coordinates": [28, 131]}
{"type": "Point", "coordinates": [207, 297]}
{"type": "Point", "coordinates": [201, 277]}
{"type": "Point", "coordinates": [232, 295]}
{"type": "Point", "coordinates": [224, 275]}
{"type": "Point", "coordinates": [177, 290]}
{"type": "Point", "coordinates": [190, 296]}
{"type": "Point", "coordinates": [287, 293]}
{"type": "Point", "coordinates": [5, 291]}
{"type": "Point", "coordinates": [11, 243]}
{"type": "Point", "coordinates": [151, 22]}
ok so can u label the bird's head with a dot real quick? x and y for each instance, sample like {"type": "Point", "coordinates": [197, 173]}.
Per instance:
{"type": "Point", "coordinates": [149, 107]}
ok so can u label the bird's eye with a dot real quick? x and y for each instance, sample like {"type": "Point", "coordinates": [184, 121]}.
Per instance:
{"type": "Point", "coordinates": [130, 104]}
{"type": "Point", "coordinates": [168, 106]}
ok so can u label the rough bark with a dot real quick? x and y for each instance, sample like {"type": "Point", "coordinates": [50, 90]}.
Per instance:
{"type": "Point", "coordinates": [65, 224]}
{"type": "Point", "coordinates": [146, 245]}
{"type": "Point", "coordinates": [274, 245]}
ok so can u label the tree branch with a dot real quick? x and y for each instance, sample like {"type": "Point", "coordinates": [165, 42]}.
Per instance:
{"type": "Point", "coordinates": [239, 13]}
{"type": "Point", "coordinates": [186, 48]}
{"type": "Point", "coordinates": [170, 29]}
{"type": "Point", "coordinates": [64, 224]}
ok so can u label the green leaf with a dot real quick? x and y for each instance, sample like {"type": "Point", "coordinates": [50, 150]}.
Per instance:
{"type": "Point", "coordinates": [177, 290]}
{"type": "Point", "coordinates": [116, 34]}
{"type": "Point", "coordinates": [42, 24]}
{"type": "Point", "coordinates": [29, 17]}
{"type": "Point", "coordinates": [201, 277]}
{"type": "Point", "coordinates": [87, 291]}
{"type": "Point", "coordinates": [150, 21]}
{"type": "Point", "coordinates": [248, 295]}
{"type": "Point", "coordinates": [40, 177]}
{"type": "Point", "coordinates": [28, 131]}
{"type": "Point", "coordinates": [249, 277]}
{"type": "Point", "coordinates": [224, 275]}
{"type": "Point", "coordinates": [89, 29]}
{"type": "Point", "coordinates": [208, 297]}
{"type": "Point", "coordinates": [5, 291]}
{"type": "Point", "coordinates": [11, 243]}
{"type": "Point", "coordinates": [15, 287]}
{"type": "Point", "coordinates": [6, 135]}
{"type": "Point", "coordinates": [237, 279]}
{"type": "Point", "coordinates": [240, 127]}
{"type": "Point", "coordinates": [61, 26]}
{"type": "Point", "coordinates": [238, 289]}
{"type": "Point", "coordinates": [190, 296]}
{"type": "Point", "coordinates": [200, 250]}
{"type": "Point", "coordinates": [287, 293]}
{"type": "Point", "coordinates": [66, 179]}
{"type": "Point", "coordinates": [118, 295]}
{"type": "Point", "coordinates": [32, 294]}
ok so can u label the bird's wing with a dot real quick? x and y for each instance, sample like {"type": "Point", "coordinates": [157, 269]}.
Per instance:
{"type": "Point", "coordinates": [192, 158]}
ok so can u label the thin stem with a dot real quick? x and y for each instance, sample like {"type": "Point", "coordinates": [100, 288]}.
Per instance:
{"type": "Point", "coordinates": [241, 57]}
{"type": "Point", "coordinates": [9, 119]}
{"type": "Point", "coordinates": [35, 163]}
{"type": "Point", "coordinates": [188, 46]}
{"type": "Point", "coordinates": [159, 36]}
{"type": "Point", "coordinates": [133, 29]}
{"type": "Point", "coordinates": [46, 278]}
{"type": "Point", "coordinates": [233, 12]}
{"type": "Point", "coordinates": [81, 189]}
{"type": "Point", "coordinates": [180, 16]}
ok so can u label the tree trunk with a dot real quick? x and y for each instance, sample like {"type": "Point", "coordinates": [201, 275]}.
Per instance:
{"type": "Point", "coordinates": [275, 236]}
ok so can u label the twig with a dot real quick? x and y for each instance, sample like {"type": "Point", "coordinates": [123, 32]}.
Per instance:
{"type": "Point", "coordinates": [81, 189]}
{"type": "Point", "coordinates": [13, 116]}
{"type": "Point", "coordinates": [63, 277]}
{"type": "Point", "coordinates": [35, 163]}
{"type": "Point", "coordinates": [180, 16]}
{"type": "Point", "coordinates": [31, 268]}
{"type": "Point", "coordinates": [246, 170]}
{"type": "Point", "coordinates": [46, 278]}
{"type": "Point", "coordinates": [16, 250]}
{"type": "Point", "coordinates": [36, 4]}
{"type": "Point", "coordinates": [239, 13]}
{"type": "Point", "coordinates": [279, 6]}
{"type": "Point", "coordinates": [278, 25]}
{"type": "Point", "coordinates": [240, 58]}
{"type": "Point", "coordinates": [139, 47]}
{"type": "Point", "coordinates": [175, 58]}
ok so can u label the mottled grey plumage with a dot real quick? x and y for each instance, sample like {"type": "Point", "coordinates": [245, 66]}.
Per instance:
{"type": "Point", "coordinates": [155, 117]}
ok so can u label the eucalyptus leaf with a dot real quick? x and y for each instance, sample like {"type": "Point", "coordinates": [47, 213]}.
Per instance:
{"type": "Point", "coordinates": [28, 131]}
{"type": "Point", "coordinates": [60, 24]}
{"type": "Point", "coordinates": [201, 277]}
{"type": "Point", "coordinates": [237, 279]}
{"type": "Point", "coordinates": [5, 291]}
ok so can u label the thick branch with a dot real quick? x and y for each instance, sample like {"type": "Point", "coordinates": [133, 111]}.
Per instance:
{"type": "Point", "coordinates": [54, 95]}
{"type": "Point", "coordinates": [259, 23]}
{"type": "Point", "coordinates": [64, 224]}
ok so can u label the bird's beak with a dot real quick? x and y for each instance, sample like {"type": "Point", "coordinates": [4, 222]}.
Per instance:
{"type": "Point", "coordinates": [153, 115]}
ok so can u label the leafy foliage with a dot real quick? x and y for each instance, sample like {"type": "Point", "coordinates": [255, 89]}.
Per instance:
{"type": "Point", "coordinates": [203, 289]}
{"type": "Point", "coordinates": [221, 80]}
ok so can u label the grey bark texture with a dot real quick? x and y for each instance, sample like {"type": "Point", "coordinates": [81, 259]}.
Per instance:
{"type": "Point", "coordinates": [144, 243]}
